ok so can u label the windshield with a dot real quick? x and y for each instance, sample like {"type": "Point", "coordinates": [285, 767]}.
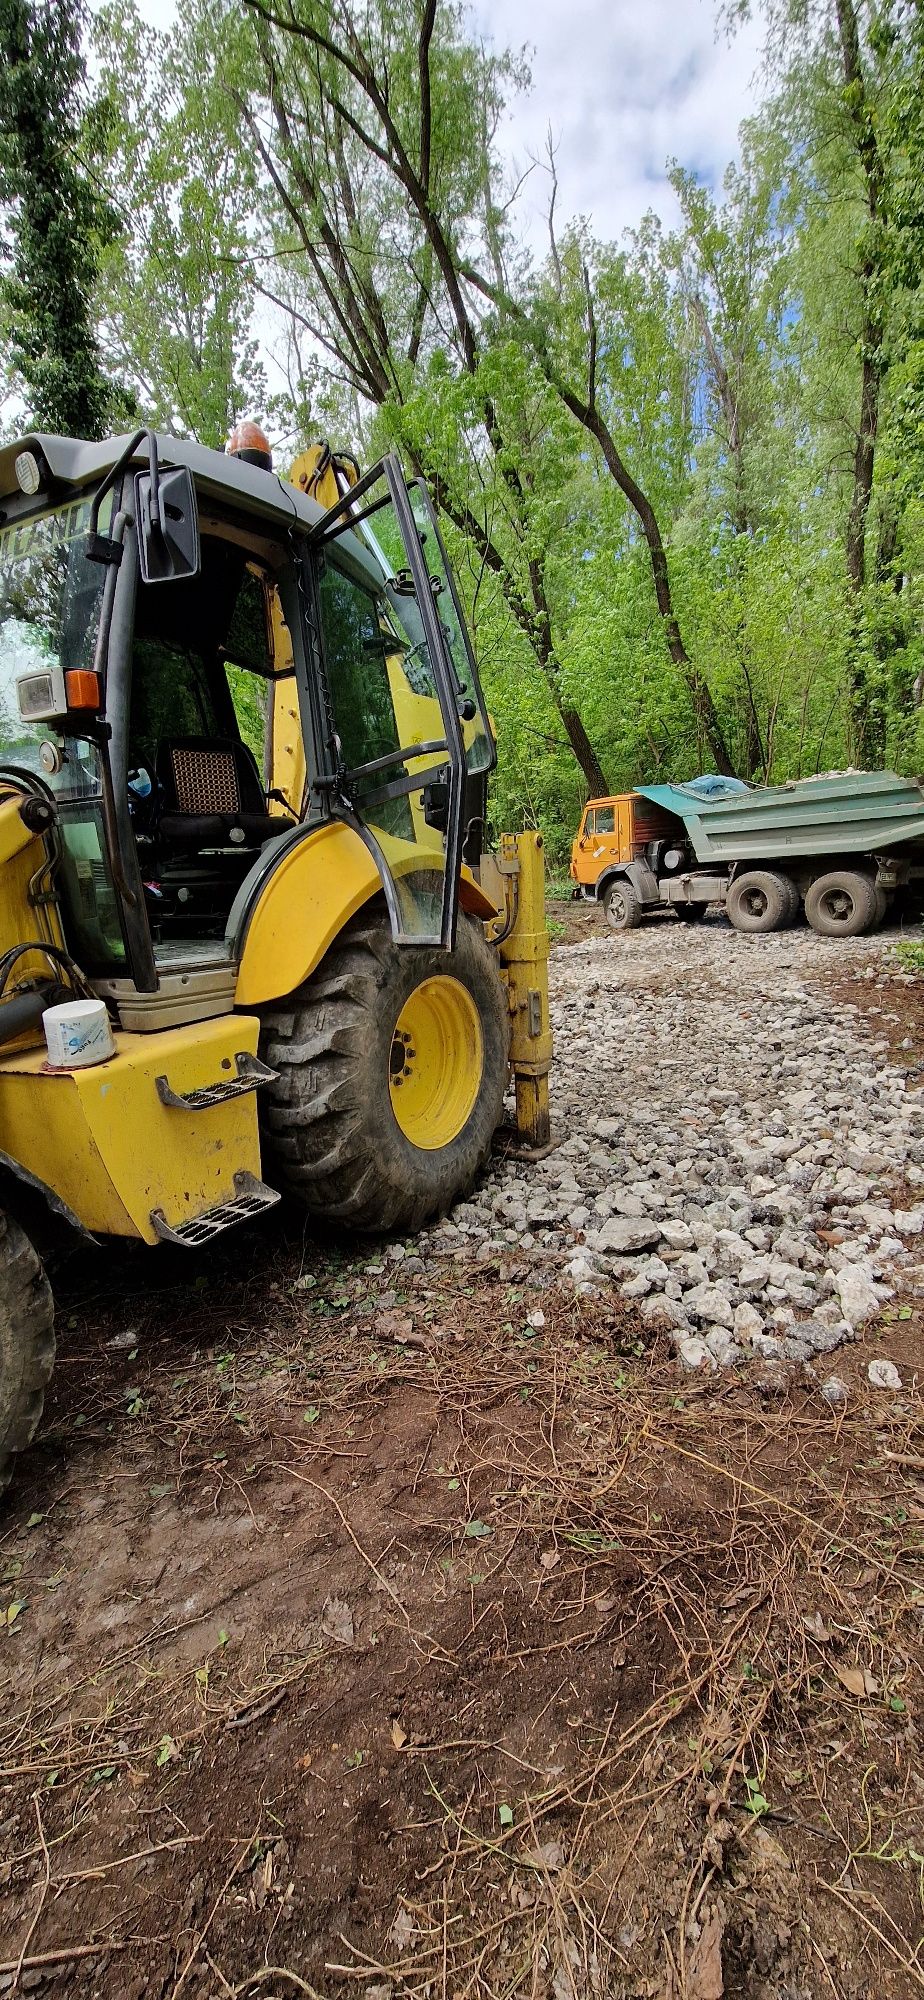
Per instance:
{"type": "Point", "coordinates": [50, 599]}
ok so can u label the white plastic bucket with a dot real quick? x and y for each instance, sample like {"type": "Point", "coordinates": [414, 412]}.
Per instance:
{"type": "Point", "coordinates": [77, 1033]}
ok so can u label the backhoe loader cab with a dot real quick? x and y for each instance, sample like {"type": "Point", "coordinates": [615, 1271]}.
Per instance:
{"type": "Point", "coordinates": [244, 757]}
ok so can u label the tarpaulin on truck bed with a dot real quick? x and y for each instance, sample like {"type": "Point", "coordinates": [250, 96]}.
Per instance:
{"type": "Point", "coordinates": [853, 812]}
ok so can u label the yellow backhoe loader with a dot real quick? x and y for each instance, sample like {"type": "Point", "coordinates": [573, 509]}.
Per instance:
{"type": "Point", "coordinates": [244, 757]}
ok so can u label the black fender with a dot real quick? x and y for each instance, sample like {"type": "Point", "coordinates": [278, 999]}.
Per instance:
{"type": "Point", "coordinates": [47, 1220]}
{"type": "Point", "coordinates": [643, 881]}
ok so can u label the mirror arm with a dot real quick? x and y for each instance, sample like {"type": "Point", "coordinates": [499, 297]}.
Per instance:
{"type": "Point", "coordinates": [106, 548]}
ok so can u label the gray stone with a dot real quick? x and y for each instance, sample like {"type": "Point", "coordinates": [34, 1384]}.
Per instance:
{"type": "Point", "coordinates": [747, 1321]}
{"type": "Point", "coordinates": [693, 1353]}
{"type": "Point", "coordinates": [822, 1337]}
{"type": "Point", "coordinates": [707, 1302]}
{"type": "Point", "coordinates": [768, 1345]}
{"type": "Point", "coordinates": [859, 1298]}
{"type": "Point", "coordinates": [622, 1234]}
{"type": "Point", "coordinates": [754, 1275]}
{"type": "Point", "coordinates": [883, 1374]}
{"type": "Point", "coordinates": [724, 1350]}
{"type": "Point", "coordinates": [676, 1234]}
{"type": "Point", "coordinates": [627, 1204]}
{"type": "Point", "coordinates": [835, 1392]}
{"type": "Point", "coordinates": [659, 1310]}
{"type": "Point", "coordinates": [637, 1287]}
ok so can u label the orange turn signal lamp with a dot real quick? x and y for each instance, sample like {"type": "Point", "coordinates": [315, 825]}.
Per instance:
{"type": "Point", "coordinates": [83, 689]}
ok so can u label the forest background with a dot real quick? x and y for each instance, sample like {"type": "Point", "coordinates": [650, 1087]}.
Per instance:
{"type": "Point", "coordinates": [682, 474]}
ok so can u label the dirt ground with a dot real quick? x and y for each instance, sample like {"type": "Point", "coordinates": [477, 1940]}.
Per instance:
{"type": "Point", "coordinates": [360, 1636]}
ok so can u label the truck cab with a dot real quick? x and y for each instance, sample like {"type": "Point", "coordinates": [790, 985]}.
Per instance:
{"type": "Point", "coordinates": [614, 832]}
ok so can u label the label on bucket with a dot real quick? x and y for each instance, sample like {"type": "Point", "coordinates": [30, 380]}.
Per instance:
{"type": "Point", "coordinates": [77, 1033]}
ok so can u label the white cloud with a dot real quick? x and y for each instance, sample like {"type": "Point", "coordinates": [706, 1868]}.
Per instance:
{"type": "Point", "coordinates": [624, 85]}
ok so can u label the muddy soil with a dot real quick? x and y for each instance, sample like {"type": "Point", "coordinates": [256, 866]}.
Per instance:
{"type": "Point", "coordinates": [417, 1633]}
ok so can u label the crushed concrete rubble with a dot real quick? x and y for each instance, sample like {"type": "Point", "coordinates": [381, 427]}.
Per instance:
{"type": "Point", "coordinates": [729, 1133]}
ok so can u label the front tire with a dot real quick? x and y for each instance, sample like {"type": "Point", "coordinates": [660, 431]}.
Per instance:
{"type": "Point", "coordinates": [392, 1068]}
{"type": "Point", "coordinates": [621, 906]}
{"type": "Point", "coordinates": [27, 1342]}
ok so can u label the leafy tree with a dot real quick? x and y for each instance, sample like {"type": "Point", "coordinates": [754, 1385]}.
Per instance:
{"type": "Point", "coordinates": [175, 292]}
{"type": "Point", "coordinates": [57, 222]}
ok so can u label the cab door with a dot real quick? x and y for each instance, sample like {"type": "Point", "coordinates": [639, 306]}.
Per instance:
{"type": "Point", "coordinates": [392, 702]}
{"type": "Point", "coordinates": [598, 843]}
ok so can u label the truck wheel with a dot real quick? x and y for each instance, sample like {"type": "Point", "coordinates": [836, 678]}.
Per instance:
{"type": "Point", "coordinates": [842, 904]}
{"type": "Point", "coordinates": [392, 1068]}
{"type": "Point", "coordinates": [759, 901]}
{"type": "Point", "coordinates": [27, 1342]}
{"type": "Point", "coordinates": [621, 906]}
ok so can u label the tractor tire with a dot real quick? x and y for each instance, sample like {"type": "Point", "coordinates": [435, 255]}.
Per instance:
{"type": "Point", "coordinates": [621, 906]}
{"type": "Point", "coordinates": [842, 904]}
{"type": "Point", "coordinates": [27, 1342]}
{"type": "Point", "coordinates": [760, 900]}
{"type": "Point", "coordinates": [392, 1065]}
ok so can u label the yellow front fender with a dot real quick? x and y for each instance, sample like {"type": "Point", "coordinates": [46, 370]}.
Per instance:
{"type": "Point", "coordinates": [315, 888]}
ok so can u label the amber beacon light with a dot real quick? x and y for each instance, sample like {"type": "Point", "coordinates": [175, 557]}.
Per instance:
{"type": "Point", "coordinates": [249, 442]}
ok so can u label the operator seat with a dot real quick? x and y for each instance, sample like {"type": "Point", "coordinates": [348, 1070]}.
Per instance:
{"type": "Point", "coordinates": [211, 796]}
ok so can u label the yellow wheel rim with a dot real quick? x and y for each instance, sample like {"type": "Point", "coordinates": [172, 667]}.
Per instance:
{"type": "Point", "coordinates": [437, 1058]}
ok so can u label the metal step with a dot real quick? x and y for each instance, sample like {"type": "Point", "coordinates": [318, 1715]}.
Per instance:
{"type": "Point", "coordinates": [251, 1073]}
{"type": "Point", "coordinates": [253, 1198]}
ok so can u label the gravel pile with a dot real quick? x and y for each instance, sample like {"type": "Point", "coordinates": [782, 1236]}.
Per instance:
{"type": "Point", "coordinates": [730, 1141]}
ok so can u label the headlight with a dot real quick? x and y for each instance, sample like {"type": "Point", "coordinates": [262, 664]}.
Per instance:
{"type": "Point", "coordinates": [28, 471]}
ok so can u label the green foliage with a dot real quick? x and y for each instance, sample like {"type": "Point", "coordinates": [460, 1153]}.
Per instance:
{"type": "Point", "coordinates": [359, 218]}
{"type": "Point", "coordinates": [911, 955]}
{"type": "Point", "coordinates": [176, 289]}
{"type": "Point", "coordinates": [57, 222]}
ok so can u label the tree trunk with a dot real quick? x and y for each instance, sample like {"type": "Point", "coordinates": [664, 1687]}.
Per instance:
{"type": "Point", "coordinates": [698, 688]}
{"type": "Point", "coordinates": [534, 620]}
{"type": "Point", "coordinates": [865, 704]}
{"type": "Point", "coordinates": [584, 751]}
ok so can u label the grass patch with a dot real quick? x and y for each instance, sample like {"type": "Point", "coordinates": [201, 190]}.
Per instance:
{"type": "Point", "coordinates": [910, 955]}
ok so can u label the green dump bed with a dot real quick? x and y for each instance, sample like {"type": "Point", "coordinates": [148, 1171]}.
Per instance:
{"type": "Point", "coordinates": [861, 812]}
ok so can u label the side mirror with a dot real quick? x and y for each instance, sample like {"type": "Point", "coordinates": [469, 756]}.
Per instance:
{"type": "Point", "coordinates": [168, 525]}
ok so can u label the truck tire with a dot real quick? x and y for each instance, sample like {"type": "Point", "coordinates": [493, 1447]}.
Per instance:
{"type": "Point", "coordinates": [27, 1342]}
{"type": "Point", "coordinates": [760, 900]}
{"type": "Point", "coordinates": [392, 1066]}
{"type": "Point", "coordinates": [842, 904]}
{"type": "Point", "coordinates": [621, 905]}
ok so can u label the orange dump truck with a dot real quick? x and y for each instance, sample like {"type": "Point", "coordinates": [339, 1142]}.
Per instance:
{"type": "Point", "coordinates": [841, 846]}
